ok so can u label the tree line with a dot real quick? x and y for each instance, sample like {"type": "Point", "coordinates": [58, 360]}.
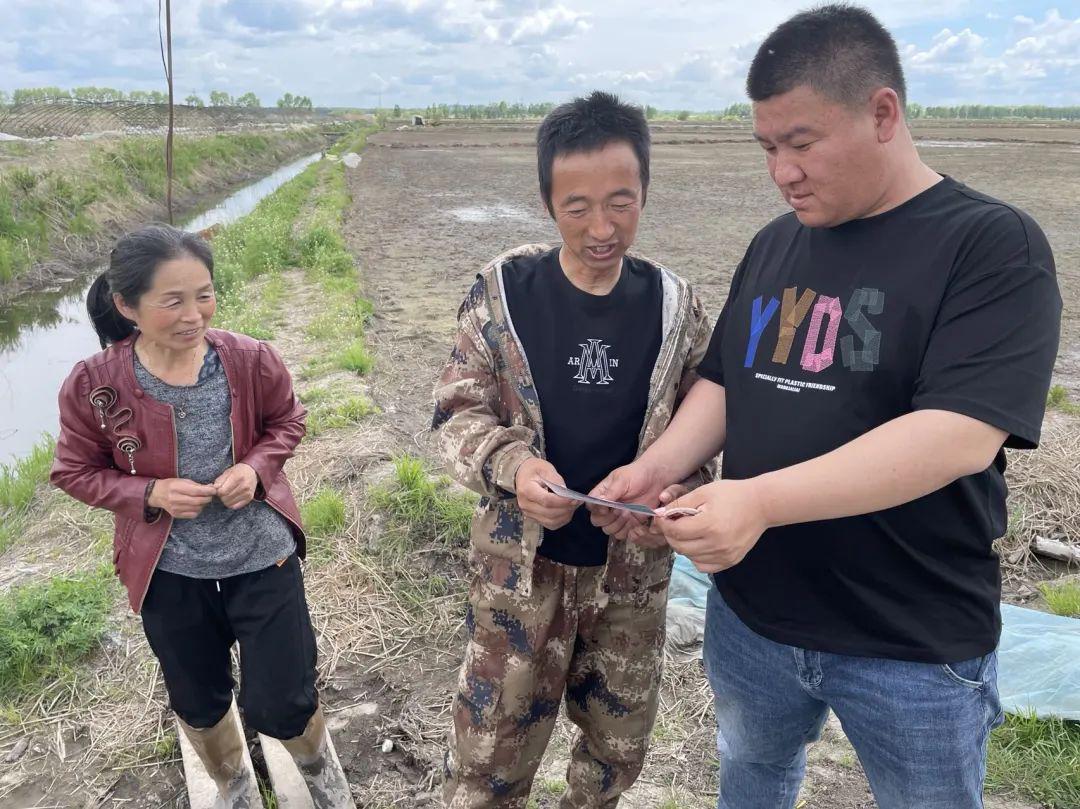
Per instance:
{"type": "Point", "coordinates": [503, 110]}
{"type": "Point", "coordinates": [217, 98]}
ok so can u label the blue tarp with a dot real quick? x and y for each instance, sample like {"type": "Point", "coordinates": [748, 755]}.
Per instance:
{"type": "Point", "coordinates": [1038, 659]}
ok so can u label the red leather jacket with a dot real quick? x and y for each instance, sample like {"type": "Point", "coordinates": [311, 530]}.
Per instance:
{"type": "Point", "coordinates": [114, 439]}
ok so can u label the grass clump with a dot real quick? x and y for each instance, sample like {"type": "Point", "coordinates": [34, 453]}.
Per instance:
{"type": "Point", "coordinates": [331, 408]}
{"type": "Point", "coordinates": [18, 483]}
{"type": "Point", "coordinates": [1058, 399]}
{"type": "Point", "coordinates": [424, 505]}
{"type": "Point", "coordinates": [46, 627]}
{"type": "Point", "coordinates": [553, 786]}
{"type": "Point", "coordinates": [355, 357]}
{"type": "Point", "coordinates": [1039, 758]}
{"type": "Point", "coordinates": [324, 513]}
{"type": "Point", "coordinates": [1063, 599]}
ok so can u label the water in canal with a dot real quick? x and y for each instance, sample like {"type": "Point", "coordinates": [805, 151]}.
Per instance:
{"type": "Point", "coordinates": [44, 334]}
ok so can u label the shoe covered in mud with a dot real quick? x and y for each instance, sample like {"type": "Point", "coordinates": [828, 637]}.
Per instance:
{"type": "Point", "coordinates": [221, 750]}
{"type": "Point", "coordinates": [321, 770]}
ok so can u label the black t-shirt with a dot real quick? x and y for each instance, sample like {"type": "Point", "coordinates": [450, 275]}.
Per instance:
{"type": "Point", "coordinates": [591, 358]}
{"type": "Point", "coordinates": [946, 302]}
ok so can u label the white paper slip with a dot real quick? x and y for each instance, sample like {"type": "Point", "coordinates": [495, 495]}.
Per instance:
{"type": "Point", "coordinates": [636, 508]}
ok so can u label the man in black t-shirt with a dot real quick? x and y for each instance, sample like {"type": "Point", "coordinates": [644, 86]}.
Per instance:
{"type": "Point", "coordinates": [879, 347]}
{"type": "Point", "coordinates": [568, 362]}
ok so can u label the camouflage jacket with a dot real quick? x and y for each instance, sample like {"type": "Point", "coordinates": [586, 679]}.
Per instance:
{"type": "Point", "coordinates": [488, 421]}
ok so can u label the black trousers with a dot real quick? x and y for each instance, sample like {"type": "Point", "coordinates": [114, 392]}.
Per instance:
{"type": "Point", "coordinates": [192, 624]}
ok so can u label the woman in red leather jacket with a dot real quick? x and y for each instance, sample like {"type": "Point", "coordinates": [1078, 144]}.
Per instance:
{"type": "Point", "coordinates": [181, 431]}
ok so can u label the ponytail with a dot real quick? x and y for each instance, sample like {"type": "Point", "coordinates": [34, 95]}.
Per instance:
{"type": "Point", "coordinates": [110, 325]}
{"type": "Point", "coordinates": [132, 265]}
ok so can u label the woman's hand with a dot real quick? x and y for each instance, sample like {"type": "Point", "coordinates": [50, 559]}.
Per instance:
{"type": "Point", "coordinates": [182, 498]}
{"type": "Point", "coordinates": [236, 486]}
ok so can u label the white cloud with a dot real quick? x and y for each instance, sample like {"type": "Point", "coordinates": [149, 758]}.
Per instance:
{"type": "Point", "coordinates": [683, 54]}
{"type": "Point", "coordinates": [551, 23]}
{"type": "Point", "coordinates": [1054, 39]}
{"type": "Point", "coordinates": [947, 47]}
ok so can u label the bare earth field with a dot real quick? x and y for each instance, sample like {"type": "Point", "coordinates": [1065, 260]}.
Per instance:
{"type": "Point", "coordinates": [430, 207]}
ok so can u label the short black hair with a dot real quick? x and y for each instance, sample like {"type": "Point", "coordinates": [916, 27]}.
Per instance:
{"type": "Point", "coordinates": [586, 124]}
{"type": "Point", "coordinates": [841, 51]}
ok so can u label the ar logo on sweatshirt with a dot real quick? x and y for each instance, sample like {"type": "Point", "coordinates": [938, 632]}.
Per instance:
{"type": "Point", "coordinates": [593, 364]}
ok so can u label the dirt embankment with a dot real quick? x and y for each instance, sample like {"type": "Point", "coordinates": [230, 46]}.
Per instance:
{"type": "Point", "coordinates": [66, 201]}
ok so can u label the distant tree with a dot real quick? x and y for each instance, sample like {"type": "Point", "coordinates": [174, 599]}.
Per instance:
{"type": "Point", "coordinates": [248, 100]}
{"type": "Point", "coordinates": [650, 112]}
{"type": "Point", "coordinates": [28, 95]}
{"type": "Point", "coordinates": [219, 98]}
{"type": "Point", "coordinates": [289, 101]}
{"type": "Point", "coordinates": [684, 115]}
{"type": "Point", "coordinates": [397, 110]}
{"type": "Point", "coordinates": [5, 99]}
{"type": "Point", "coordinates": [738, 112]}
{"type": "Point", "coordinates": [915, 110]}
{"type": "Point", "coordinates": [194, 101]}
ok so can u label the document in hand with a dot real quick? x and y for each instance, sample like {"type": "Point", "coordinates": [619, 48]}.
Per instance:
{"type": "Point", "coordinates": [637, 508]}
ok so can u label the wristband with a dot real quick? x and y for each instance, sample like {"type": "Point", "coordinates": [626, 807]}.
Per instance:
{"type": "Point", "coordinates": [150, 514]}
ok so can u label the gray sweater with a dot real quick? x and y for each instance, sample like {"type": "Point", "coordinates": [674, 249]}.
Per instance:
{"type": "Point", "coordinates": [219, 542]}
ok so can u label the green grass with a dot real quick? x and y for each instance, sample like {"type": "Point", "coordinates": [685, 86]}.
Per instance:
{"type": "Point", "coordinates": [19, 480]}
{"type": "Point", "coordinates": [1036, 758]}
{"type": "Point", "coordinates": [353, 141]}
{"type": "Point", "coordinates": [355, 357]}
{"type": "Point", "coordinates": [261, 243]}
{"type": "Point", "coordinates": [331, 408]}
{"type": "Point", "coordinates": [424, 505]}
{"type": "Point", "coordinates": [1058, 399]}
{"type": "Point", "coordinates": [18, 483]}
{"type": "Point", "coordinates": [553, 786]}
{"type": "Point", "coordinates": [41, 207]}
{"type": "Point", "coordinates": [324, 513]}
{"type": "Point", "coordinates": [327, 262]}
{"type": "Point", "coordinates": [46, 627]}
{"type": "Point", "coordinates": [1063, 599]}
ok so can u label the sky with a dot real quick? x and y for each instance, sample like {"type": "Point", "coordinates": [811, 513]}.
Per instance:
{"type": "Point", "coordinates": [677, 54]}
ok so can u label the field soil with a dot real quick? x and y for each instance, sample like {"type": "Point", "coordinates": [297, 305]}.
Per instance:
{"type": "Point", "coordinates": [430, 207]}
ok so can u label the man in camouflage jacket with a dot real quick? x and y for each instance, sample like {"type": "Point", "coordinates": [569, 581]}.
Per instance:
{"type": "Point", "coordinates": [540, 630]}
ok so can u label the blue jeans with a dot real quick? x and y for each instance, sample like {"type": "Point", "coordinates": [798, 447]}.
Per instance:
{"type": "Point", "coordinates": [920, 729]}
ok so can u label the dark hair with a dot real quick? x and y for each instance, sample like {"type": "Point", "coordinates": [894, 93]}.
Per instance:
{"type": "Point", "coordinates": [586, 124]}
{"type": "Point", "coordinates": [132, 265]}
{"type": "Point", "coordinates": [840, 51]}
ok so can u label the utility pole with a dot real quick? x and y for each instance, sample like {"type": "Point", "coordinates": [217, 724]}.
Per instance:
{"type": "Point", "coordinates": [169, 135]}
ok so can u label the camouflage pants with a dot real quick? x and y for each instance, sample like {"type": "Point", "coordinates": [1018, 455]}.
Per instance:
{"type": "Point", "coordinates": [568, 638]}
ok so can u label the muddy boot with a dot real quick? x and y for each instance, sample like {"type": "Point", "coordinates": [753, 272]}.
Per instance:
{"type": "Point", "coordinates": [221, 750]}
{"type": "Point", "coordinates": [322, 772]}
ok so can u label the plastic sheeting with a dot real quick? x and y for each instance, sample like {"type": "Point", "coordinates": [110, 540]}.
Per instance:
{"type": "Point", "coordinates": [1038, 658]}
{"type": "Point", "coordinates": [1039, 663]}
